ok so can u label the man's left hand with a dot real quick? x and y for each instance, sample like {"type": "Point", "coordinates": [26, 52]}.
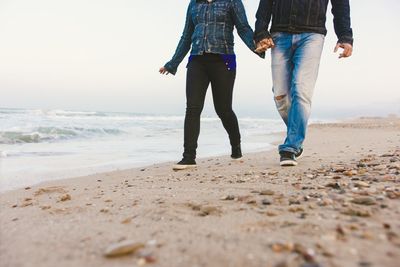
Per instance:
{"type": "Point", "coordinates": [347, 49]}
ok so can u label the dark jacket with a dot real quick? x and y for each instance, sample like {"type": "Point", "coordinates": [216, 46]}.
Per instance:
{"type": "Point", "coordinates": [298, 16]}
{"type": "Point", "coordinates": [209, 28]}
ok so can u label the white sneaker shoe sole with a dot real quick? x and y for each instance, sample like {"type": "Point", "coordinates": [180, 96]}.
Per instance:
{"type": "Point", "coordinates": [288, 163]}
{"type": "Point", "coordinates": [179, 167]}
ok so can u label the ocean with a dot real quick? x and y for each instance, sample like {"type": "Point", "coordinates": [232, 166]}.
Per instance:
{"type": "Point", "coordinates": [42, 145]}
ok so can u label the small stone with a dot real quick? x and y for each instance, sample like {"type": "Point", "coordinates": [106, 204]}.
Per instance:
{"type": "Point", "coordinates": [126, 221]}
{"type": "Point", "coordinates": [334, 186]}
{"type": "Point", "coordinates": [380, 167]}
{"type": "Point", "coordinates": [105, 210]}
{"type": "Point", "coordinates": [209, 210]}
{"type": "Point", "coordinates": [123, 248]}
{"type": "Point", "coordinates": [368, 201]}
{"type": "Point", "coordinates": [356, 212]}
{"type": "Point", "coordinates": [27, 188]}
{"type": "Point", "coordinates": [267, 193]}
{"type": "Point", "coordinates": [228, 197]}
{"type": "Point", "coordinates": [65, 197]}
{"type": "Point", "coordinates": [361, 184]}
{"type": "Point", "coordinates": [266, 202]}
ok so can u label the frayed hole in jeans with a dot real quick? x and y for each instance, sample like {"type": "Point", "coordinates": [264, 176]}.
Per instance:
{"type": "Point", "coordinates": [280, 97]}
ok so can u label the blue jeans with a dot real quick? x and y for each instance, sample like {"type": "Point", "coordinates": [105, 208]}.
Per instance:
{"type": "Point", "coordinates": [295, 64]}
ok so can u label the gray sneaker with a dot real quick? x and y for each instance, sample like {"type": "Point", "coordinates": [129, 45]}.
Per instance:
{"type": "Point", "coordinates": [288, 159]}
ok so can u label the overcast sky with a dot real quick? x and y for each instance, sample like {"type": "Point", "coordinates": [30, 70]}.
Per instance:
{"type": "Point", "coordinates": [105, 54]}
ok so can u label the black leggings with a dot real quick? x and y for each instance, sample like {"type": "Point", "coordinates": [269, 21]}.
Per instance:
{"type": "Point", "coordinates": [203, 70]}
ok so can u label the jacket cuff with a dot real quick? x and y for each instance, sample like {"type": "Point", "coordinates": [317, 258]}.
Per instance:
{"type": "Point", "coordinates": [261, 36]}
{"type": "Point", "coordinates": [170, 68]}
{"type": "Point", "coordinates": [346, 40]}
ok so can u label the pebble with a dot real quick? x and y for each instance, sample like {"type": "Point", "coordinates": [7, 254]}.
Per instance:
{"type": "Point", "coordinates": [361, 184]}
{"type": "Point", "coordinates": [368, 201]}
{"type": "Point", "coordinates": [334, 186]}
{"type": "Point", "coordinates": [267, 193]}
{"type": "Point", "coordinates": [228, 197]}
{"type": "Point", "coordinates": [356, 212]}
{"type": "Point", "coordinates": [123, 248]}
{"type": "Point", "coordinates": [266, 202]}
{"type": "Point", "coordinates": [65, 197]}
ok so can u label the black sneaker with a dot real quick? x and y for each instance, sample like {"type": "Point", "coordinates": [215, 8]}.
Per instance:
{"type": "Point", "coordinates": [287, 159]}
{"type": "Point", "coordinates": [299, 154]}
{"type": "Point", "coordinates": [184, 164]}
{"type": "Point", "coordinates": [236, 152]}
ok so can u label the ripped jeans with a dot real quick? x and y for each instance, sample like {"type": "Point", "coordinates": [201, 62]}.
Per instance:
{"type": "Point", "coordinates": [295, 64]}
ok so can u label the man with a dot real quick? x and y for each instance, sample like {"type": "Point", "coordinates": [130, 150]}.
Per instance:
{"type": "Point", "coordinates": [297, 37]}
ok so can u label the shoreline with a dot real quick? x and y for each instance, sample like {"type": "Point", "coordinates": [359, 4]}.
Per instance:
{"type": "Point", "coordinates": [339, 207]}
{"type": "Point", "coordinates": [102, 169]}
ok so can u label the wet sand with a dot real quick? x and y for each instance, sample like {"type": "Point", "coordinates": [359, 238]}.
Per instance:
{"type": "Point", "coordinates": [339, 207]}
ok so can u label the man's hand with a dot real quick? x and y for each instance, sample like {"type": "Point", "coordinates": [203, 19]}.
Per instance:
{"type": "Point", "coordinates": [264, 45]}
{"type": "Point", "coordinates": [347, 49]}
{"type": "Point", "coordinates": [163, 70]}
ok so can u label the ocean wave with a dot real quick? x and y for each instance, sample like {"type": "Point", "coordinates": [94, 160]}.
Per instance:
{"type": "Point", "coordinates": [52, 134]}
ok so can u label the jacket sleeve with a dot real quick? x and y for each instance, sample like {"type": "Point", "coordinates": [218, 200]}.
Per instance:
{"type": "Point", "coordinates": [242, 25]}
{"type": "Point", "coordinates": [341, 21]}
{"type": "Point", "coordinates": [263, 16]}
{"type": "Point", "coordinates": [183, 45]}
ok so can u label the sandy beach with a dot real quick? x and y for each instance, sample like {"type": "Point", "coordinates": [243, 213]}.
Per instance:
{"type": "Point", "coordinates": [339, 208]}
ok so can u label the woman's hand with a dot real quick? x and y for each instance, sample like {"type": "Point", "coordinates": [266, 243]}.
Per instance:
{"type": "Point", "coordinates": [264, 45]}
{"type": "Point", "coordinates": [163, 70]}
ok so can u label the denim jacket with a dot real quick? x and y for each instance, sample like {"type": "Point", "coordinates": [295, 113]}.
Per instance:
{"type": "Point", "coordinates": [209, 29]}
{"type": "Point", "coordinates": [298, 16]}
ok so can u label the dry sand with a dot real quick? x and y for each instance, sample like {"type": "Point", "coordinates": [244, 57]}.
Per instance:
{"type": "Point", "coordinates": [339, 207]}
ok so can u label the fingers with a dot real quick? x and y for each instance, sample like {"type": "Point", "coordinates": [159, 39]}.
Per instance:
{"type": "Point", "coordinates": [163, 70]}
{"type": "Point", "coordinates": [347, 50]}
{"type": "Point", "coordinates": [264, 45]}
{"type": "Point", "coordinates": [336, 48]}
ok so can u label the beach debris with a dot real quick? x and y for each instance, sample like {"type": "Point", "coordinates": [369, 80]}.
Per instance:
{"type": "Point", "coordinates": [266, 202]}
{"type": "Point", "coordinates": [334, 186]}
{"type": "Point", "coordinates": [145, 257]}
{"type": "Point", "coordinates": [65, 197]}
{"type": "Point", "coordinates": [307, 254]}
{"type": "Point", "coordinates": [267, 192]}
{"type": "Point", "coordinates": [105, 210]}
{"type": "Point", "coordinates": [209, 210]}
{"type": "Point", "coordinates": [127, 220]}
{"type": "Point", "coordinates": [123, 248]}
{"type": "Point", "coordinates": [368, 201]}
{"type": "Point", "coordinates": [356, 212]}
{"type": "Point", "coordinates": [361, 184]}
{"type": "Point", "coordinates": [228, 197]}
{"type": "Point", "coordinates": [204, 210]}
{"type": "Point", "coordinates": [49, 190]}
{"type": "Point", "coordinates": [27, 202]}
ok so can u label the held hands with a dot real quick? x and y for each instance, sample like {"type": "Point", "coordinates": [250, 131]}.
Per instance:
{"type": "Point", "coordinates": [163, 70]}
{"type": "Point", "coordinates": [264, 45]}
{"type": "Point", "coordinates": [347, 49]}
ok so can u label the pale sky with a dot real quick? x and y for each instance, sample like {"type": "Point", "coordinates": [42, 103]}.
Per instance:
{"type": "Point", "coordinates": [104, 55]}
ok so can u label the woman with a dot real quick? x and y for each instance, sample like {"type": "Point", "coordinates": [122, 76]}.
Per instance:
{"type": "Point", "coordinates": [209, 31]}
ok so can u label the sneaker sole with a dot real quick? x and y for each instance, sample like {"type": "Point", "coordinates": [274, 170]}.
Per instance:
{"type": "Point", "coordinates": [288, 163]}
{"type": "Point", "coordinates": [301, 155]}
{"type": "Point", "coordinates": [237, 159]}
{"type": "Point", "coordinates": [183, 167]}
